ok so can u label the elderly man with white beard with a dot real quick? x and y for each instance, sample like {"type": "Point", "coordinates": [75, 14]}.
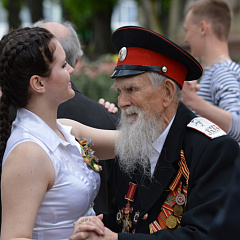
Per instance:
{"type": "Point", "coordinates": [173, 167]}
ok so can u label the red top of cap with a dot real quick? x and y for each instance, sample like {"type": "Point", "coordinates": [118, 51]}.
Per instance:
{"type": "Point", "coordinates": [147, 49]}
{"type": "Point", "coordinates": [145, 57]}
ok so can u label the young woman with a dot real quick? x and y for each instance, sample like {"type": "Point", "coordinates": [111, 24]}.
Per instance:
{"type": "Point", "coordinates": [46, 185]}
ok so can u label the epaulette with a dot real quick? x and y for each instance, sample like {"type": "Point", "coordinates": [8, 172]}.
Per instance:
{"type": "Point", "coordinates": [206, 127]}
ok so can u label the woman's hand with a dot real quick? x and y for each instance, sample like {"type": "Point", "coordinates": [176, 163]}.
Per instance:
{"type": "Point", "coordinates": [109, 106]}
{"type": "Point", "coordinates": [92, 228]}
{"type": "Point", "coordinates": [89, 224]}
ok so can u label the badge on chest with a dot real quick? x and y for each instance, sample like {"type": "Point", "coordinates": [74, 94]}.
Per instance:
{"type": "Point", "coordinates": [123, 216]}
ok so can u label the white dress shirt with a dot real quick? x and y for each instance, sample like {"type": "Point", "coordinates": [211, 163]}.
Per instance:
{"type": "Point", "coordinates": [158, 145]}
{"type": "Point", "coordinates": [75, 185]}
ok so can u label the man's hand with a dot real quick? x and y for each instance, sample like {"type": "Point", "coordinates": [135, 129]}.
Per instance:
{"type": "Point", "coordinates": [88, 235]}
{"type": "Point", "coordinates": [91, 223]}
{"type": "Point", "coordinates": [109, 106]}
{"type": "Point", "coordinates": [189, 92]}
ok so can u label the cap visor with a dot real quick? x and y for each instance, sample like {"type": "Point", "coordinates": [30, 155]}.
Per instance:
{"type": "Point", "coordinates": [125, 73]}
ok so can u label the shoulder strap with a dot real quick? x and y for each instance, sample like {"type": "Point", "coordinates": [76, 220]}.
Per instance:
{"type": "Point", "coordinates": [206, 127]}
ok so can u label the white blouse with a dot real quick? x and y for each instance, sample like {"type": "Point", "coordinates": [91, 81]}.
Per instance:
{"type": "Point", "coordinates": [75, 185]}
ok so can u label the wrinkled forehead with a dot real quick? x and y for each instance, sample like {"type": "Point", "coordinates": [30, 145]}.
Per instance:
{"type": "Point", "coordinates": [141, 80]}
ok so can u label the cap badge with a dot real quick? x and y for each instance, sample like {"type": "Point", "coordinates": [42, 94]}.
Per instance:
{"type": "Point", "coordinates": [164, 69]}
{"type": "Point", "coordinates": [122, 54]}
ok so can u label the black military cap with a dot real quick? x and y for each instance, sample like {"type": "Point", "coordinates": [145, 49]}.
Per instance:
{"type": "Point", "coordinates": [142, 50]}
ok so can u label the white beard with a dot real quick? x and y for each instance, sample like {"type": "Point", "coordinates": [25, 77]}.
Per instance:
{"type": "Point", "coordinates": [134, 144]}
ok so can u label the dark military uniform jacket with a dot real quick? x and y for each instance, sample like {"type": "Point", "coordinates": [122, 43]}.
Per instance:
{"type": "Point", "coordinates": [226, 223]}
{"type": "Point", "coordinates": [210, 162]}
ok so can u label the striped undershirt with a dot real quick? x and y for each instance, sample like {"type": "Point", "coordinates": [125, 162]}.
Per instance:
{"type": "Point", "coordinates": [220, 85]}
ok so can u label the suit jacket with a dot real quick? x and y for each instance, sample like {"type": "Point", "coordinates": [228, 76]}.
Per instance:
{"type": "Point", "coordinates": [210, 162]}
{"type": "Point", "coordinates": [84, 110]}
{"type": "Point", "coordinates": [226, 223]}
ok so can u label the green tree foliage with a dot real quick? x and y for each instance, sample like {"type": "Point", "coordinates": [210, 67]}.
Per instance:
{"type": "Point", "coordinates": [93, 21]}
{"type": "Point", "coordinates": [93, 78]}
{"type": "Point", "coordinates": [97, 87]}
{"type": "Point", "coordinates": [82, 12]}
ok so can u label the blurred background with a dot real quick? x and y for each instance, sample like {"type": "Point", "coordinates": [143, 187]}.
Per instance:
{"type": "Point", "coordinates": [95, 20]}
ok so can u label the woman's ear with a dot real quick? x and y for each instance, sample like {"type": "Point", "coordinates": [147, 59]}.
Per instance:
{"type": "Point", "coordinates": [169, 89]}
{"type": "Point", "coordinates": [37, 83]}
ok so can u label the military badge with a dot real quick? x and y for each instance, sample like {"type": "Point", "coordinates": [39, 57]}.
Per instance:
{"type": "Point", "coordinates": [122, 54]}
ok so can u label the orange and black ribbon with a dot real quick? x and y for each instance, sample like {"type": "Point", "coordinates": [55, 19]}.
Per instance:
{"type": "Point", "coordinates": [176, 187]}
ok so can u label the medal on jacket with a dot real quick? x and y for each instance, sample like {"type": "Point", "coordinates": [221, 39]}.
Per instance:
{"type": "Point", "coordinates": [174, 206]}
{"type": "Point", "coordinates": [88, 154]}
{"type": "Point", "coordinates": [123, 215]}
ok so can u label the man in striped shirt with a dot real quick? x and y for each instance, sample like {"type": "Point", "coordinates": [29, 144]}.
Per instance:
{"type": "Point", "coordinates": [207, 25]}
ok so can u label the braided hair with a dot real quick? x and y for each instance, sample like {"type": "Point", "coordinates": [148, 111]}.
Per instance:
{"type": "Point", "coordinates": [24, 52]}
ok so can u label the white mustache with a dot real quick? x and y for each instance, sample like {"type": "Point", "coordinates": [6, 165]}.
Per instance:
{"type": "Point", "coordinates": [131, 110]}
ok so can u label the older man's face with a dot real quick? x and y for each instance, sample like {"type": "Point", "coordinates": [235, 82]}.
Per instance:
{"type": "Point", "coordinates": [140, 123]}
{"type": "Point", "coordinates": [137, 91]}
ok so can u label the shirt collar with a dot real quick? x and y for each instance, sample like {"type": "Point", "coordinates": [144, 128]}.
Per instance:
{"type": "Point", "coordinates": [41, 130]}
{"type": "Point", "coordinates": [159, 142]}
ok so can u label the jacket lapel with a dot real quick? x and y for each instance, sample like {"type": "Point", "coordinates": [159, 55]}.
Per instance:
{"type": "Point", "coordinates": [166, 168]}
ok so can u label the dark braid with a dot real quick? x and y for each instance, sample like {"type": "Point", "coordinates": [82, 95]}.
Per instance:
{"type": "Point", "coordinates": [24, 52]}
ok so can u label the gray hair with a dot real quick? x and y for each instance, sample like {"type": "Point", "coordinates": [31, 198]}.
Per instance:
{"type": "Point", "coordinates": [157, 80]}
{"type": "Point", "coordinates": [70, 43]}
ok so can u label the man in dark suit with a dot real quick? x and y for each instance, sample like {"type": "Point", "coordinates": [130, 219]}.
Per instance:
{"type": "Point", "coordinates": [226, 224]}
{"type": "Point", "coordinates": [173, 167]}
{"type": "Point", "coordinates": [85, 110]}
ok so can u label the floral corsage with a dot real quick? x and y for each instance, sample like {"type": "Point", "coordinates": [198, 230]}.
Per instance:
{"type": "Point", "coordinates": [88, 157]}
